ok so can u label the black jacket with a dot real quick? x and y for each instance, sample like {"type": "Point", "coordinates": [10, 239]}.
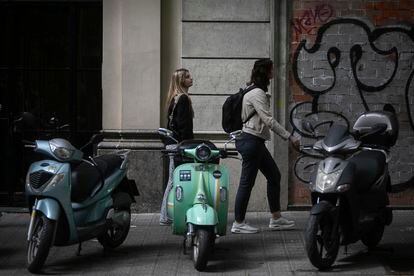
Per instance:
{"type": "Point", "coordinates": [182, 122]}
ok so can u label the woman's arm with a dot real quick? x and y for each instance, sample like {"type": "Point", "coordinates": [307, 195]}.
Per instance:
{"type": "Point", "coordinates": [184, 118]}
{"type": "Point", "coordinates": [260, 104]}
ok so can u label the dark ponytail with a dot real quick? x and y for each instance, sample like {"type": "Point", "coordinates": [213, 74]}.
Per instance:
{"type": "Point", "coordinates": [260, 73]}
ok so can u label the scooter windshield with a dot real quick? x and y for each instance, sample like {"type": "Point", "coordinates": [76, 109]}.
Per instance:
{"type": "Point", "coordinates": [338, 140]}
{"type": "Point", "coordinates": [336, 135]}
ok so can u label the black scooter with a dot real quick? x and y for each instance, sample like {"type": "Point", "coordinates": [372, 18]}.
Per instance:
{"type": "Point", "coordinates": [349, 188]}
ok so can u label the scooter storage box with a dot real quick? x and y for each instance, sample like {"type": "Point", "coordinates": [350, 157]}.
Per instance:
{"type": "Point", "coordinates": [367, 121]}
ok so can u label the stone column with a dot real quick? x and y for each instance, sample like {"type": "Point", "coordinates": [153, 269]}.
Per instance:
{"type": "Point", "coordinates": [281, 93]}
{"type": "Point", "coordinates": [131, 80]}
{"type": "Point", "coordinates": [131, 69]}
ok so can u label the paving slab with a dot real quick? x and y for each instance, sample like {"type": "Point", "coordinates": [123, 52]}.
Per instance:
{"type": "Point", "coordinates": [151, 249]}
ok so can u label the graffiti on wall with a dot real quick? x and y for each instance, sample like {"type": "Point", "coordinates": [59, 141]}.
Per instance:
{"type": "Point", "coordinates": [363, 67]}
{"type": "Point", "coordinates": [311, 18]}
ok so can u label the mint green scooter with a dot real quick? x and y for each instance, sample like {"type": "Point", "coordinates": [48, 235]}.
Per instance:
{"type": "Point", "coordinates": [198, 200]}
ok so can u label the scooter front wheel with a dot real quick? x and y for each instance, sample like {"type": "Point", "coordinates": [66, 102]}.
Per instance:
{"type": "Point", "coordinates": [202, 246]}
{"type": "Point", "coordinates": [322, 240]}
{"type": "Point", "coordinates": [40, 242]}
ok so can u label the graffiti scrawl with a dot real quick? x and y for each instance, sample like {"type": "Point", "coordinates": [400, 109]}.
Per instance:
{"type": "Point", "coordinates": [351, 68]}
{"type": "Point", "coordinates": [306, 23]}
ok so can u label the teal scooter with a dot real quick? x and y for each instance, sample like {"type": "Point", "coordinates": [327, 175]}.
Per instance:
{"type": "Point", "coordinates": [199, 197]}
{"type": "Point", "coordinates": [73, 199]}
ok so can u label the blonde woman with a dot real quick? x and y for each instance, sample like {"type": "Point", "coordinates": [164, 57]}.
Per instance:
{"type": "Point", "coordinates": [179, 107]}
{"type": "Point", "coordinates": [180, 121]}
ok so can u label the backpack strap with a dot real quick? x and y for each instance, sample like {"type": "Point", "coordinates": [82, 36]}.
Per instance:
{"type": "Point", "coordinates": [249, 88]}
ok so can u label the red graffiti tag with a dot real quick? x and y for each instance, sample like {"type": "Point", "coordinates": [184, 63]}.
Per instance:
{"type": "Point", "coordinates": [311, 18]}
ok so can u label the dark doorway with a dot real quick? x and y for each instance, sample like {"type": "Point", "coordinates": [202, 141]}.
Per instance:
{"type": "Point", "coordinates": [50, 66]}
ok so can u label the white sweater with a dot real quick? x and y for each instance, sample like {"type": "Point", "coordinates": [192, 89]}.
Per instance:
{"type": "Point", "coordinates": [262, 120]}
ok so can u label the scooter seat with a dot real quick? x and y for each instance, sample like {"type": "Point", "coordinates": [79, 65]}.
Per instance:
{"type": "Point", "coordinates": [369, 166]}
{"type": "Point", "coordinates": [108, 163]}
{"type": "Point", "coordinates": [86, 178]}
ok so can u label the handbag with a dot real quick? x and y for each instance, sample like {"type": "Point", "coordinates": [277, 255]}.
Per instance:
{"type": "Point", "coordinates": [171, 125]}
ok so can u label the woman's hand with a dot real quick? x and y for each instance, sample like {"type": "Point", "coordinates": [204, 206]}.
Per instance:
{"type": "Point", "coordinates": [295, 141]}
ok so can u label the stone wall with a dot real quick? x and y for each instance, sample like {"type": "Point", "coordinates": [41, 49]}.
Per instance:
{"type": "Point", "coordinates": [220, 42]}
{"type": "Point", "coordinates": [353, 56]}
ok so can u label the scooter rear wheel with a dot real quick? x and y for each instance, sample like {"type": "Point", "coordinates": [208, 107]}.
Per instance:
{"type": "Point", "coordinates": [202, 247]}
{"type": "Point", "coordinates": [322, 244]}
{"type": "Point", "coordinates": [40, 242]}
{"type": "Point", "coordinates": [115, 234]}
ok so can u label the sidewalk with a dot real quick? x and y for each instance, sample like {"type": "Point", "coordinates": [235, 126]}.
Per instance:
{"type": "Point", "coordinates": [151, 249]}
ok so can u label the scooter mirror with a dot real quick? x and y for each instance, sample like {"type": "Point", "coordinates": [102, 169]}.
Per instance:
{"type": "Point", "coordinates": [165, 132]}
{"type": "Point", "coordinates": [53, 121]}
{"type": "Point", "coordinates": [96, 138]}
{"type": "Point", "coordinates": [307, 126]}
{"type": "Point", "coordinates": [26, 122]}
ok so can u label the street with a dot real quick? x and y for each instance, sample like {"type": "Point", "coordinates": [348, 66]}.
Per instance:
{"type": "Point", "coordinates": [151, 249]}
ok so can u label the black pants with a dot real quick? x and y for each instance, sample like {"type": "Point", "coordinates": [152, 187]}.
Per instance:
{"type": "Point", "coordinates": [256, 157]}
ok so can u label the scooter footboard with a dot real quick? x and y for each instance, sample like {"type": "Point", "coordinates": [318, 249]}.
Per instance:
{"type": "Point", "coordinates": [201, 214]}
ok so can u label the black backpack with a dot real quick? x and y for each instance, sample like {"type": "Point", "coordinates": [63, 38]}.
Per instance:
{"type": "Point", "coordinates": [231, 112]}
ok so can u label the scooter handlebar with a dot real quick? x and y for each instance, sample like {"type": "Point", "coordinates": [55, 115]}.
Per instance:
{"type": "Point", "coordinates": [306, 147]}
{"type": "Point", "coordinates": [225, 154]}
{"type": "Point", "coordinates": [167, 151]}
{"type": "Point", "coordinates": [29, 144]}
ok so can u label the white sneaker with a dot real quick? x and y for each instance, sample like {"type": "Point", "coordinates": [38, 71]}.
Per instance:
{"type": "Point", "coordinates": [166, 222]}
{"type": "Point", "coordinates": [281, 224]}
{"type": "Point", "coordinates": [243, 228]}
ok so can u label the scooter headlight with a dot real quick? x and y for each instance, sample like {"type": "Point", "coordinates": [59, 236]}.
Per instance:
{"type": "Point", "coordinates": [61, 152]}
{"type": "Point", "coordinates": [203, 152]}
{"type": "Point", "coordinates": [325, 182]}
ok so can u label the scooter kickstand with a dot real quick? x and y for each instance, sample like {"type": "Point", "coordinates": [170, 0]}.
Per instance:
{"type": "Point", "coordinates": [346, 249]}
{"type": "Point", "coordinates": [79, 249]}
{"type": "Point", "coordinates": [184, 246]}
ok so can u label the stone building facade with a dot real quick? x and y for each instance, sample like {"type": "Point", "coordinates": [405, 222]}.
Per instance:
{"type": "Point", "coordinates": [351, 55]}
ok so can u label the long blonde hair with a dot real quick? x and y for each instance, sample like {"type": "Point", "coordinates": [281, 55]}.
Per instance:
{"type": "Point", "coordinates": [177, 87]}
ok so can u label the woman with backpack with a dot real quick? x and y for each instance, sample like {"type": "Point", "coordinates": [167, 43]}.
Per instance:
{"type": "Point", "coordinates": [180, 121]}
{"type": "Point", "coordinates": [257, 121]}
